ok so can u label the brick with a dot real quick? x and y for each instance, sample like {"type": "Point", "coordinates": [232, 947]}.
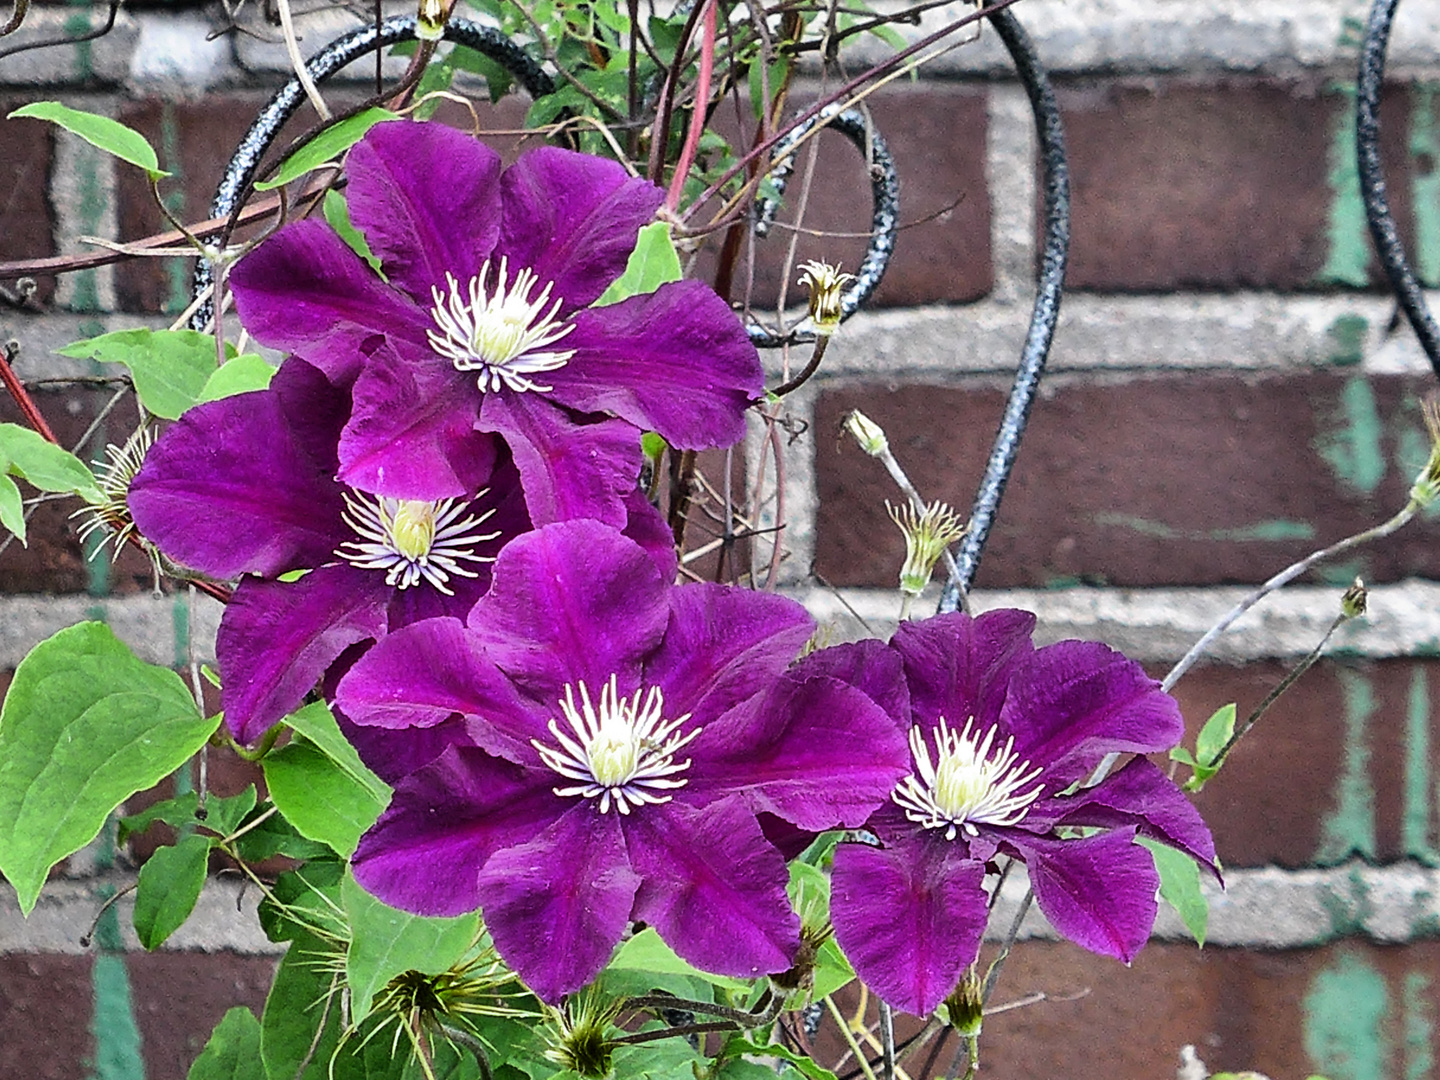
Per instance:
{"type": "Point", "coordinates": [1174, 480]}
{"type": "Point", "coordinates": [26, 227]}
{"type": "Point", "coordinates": [180, 997]}
{"type": "Point", "coordinates": [937, 136]}
{"type": "Point", "coordinates": [1218, 185]}
{"type": "Point", "coordinates": [45, 1014]}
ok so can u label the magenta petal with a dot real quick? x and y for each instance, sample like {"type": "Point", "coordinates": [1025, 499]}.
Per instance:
{"type": "Point", "coordinates": [959, 667]}
{"type": "Point", "coordinates": [676, 361]}
{"type": "Point", "coordinates": [570, 466]}
{"type": "Point", "coordinates": [394, 755]}
{"type": "Point", "coordinates": [1098, 891]}
{"type": "Point", "coordinates": [573, 219]}
{"type": "Point", "coordinates": [425, 853]}
{"type": "Point", "coordinates": [722, 644]}
{"type": "Point", "coordinates": [277, 639]}
{"type": "Point", "coordinates": [427, 198]}
{"type": "Point", "coordinates": [571, 602]}
{"type": "Point", "coordinates": [1074, 702]}
{"type": "Point", "coordinates": [243, 485]}
{"type": "Point", "coordinates": [872, 667]}
{"type": "Point", "coordinates": [557, 905]}
{"type": "Point", "coordinates": [714, 889]}
{"type": "Point", "coordinates": [817, 753]}
{"type": "Point", "coordinates": [412, 429]}
{"type": "Point", "coordinates": [645, 525]}
{"type": "Point", "coordinates": [304, 291]}
{"type": "Point", "coordinates": [909, 917]}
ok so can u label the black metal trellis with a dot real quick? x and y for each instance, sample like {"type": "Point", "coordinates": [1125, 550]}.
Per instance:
{"type": "Point", "coordinates": [1372, 180]}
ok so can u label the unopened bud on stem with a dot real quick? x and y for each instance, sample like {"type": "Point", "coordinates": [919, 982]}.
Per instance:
{"type": "Point", "coordinates": [1427, 484]}
{"type": "Point", "coordinates": [868, 434]}
{"type": "Point", "coordinates": [1352, 604]}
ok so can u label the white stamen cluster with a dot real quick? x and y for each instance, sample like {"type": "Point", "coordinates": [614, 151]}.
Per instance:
{"type": "Point", "coordinates": [504, 335]}
{"type": "Point", "coordinates": [412, 540]}
{"type": "Point", "coordinates": [623, 753]}
{"type": "Point", "coordinates": [965, 785]}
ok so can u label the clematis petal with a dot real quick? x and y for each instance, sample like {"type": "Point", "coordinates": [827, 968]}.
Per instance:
{"type": "Point", "coordinates": [722, 645]}
{"type": "Point", "coordinates": [872, 667]}
{"type": "Point", "coordinates": [393, 755]}
{"type": "Point", "coordinates": [815, 752]}
{"type": "Point", "coordinates": [714, 889]}
{"type": "Point", "coordinates": [1098, 891]}
{"type": "Point", "coordinates": [676, 361]}
{"type": "Point", "coordinates": [572, 219]}
{"type": "Point", "coordinates": [909, 917]}
{"type": "Point", "coordinates": [444, 821]}
{"type": "Point", "coordinates": [646, 527]}
{"type": "Point", "coordinates": [245, 484]}
{"type": "Point", "coordinates": [304, 291]}
{"type": "Point", "coordinates": [557, 905]}
{"type": "Point", "coordinates": [412, 429]}
{"type": "Point", "coordinates": [959, 667]}
{"type": "Point", "coordinates": [1139, 795]}
{"type": "Point", "coordinates": [427, 199]}
{"type": "Point", "coordinates": [277, 639]}
{"type": "Point", "coordinates": [1072, 703]}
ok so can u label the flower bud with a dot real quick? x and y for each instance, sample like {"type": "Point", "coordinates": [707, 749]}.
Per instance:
{"type": "Point", "coordinates": [430, 20]}
{"type": "Point", "coordinates": [580, 1034]}
{"type": "Point", "coordinates": [965, 1007]}
{"type": "Point", "coordinates": [868, 434]}
{"type": "Point", "coordinates": [1352, 604]}
{"type": "Point", "coordinates": [826, 284]}
{"type": "Point", "coordinates": [1427, 484]}
{"type": "Point", "coordinates": [927, 535]}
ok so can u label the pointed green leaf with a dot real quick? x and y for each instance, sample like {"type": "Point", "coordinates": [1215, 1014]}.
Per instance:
{"type": "Point", "coordinates": [327, 146]}
{"type": "Point", "coordinates": [322, 800]}
{"type": "Point", "coordinates": [648, 952]}
{"type": "Point", "coordinates": [1180, 887]}
{"type": "Point", "coordinates": [177, 813]}
{"type": "Point", "coordinates": [170, 367]}
{"type": "Point", "coordinates": [12, 507]}
{"type": "Point", "coordinates": [337, 213]}
{"type": "Point", "coordinates": [302, 1022]}
{"type": "Point", "coordinates": [99, 131]}
{"type": "Point", "coordinates": [738, 1044]}
{"type": "Point", "coordinates": [233, 1052]}
{"type": "Point", "coordinates": [385, 942]}
{"type": "Point", "coordinates": [45, 465]}
{"type": "Point", "coordinates": [1215, 734]}
{"type": "Point", "coordinates": [238, 376]}
{"type": "Point", "coordinates": [170, 883]}
{"type": "Point", "coordinates": [653, 263]}
{"type": "Point", "coordinates": [85, 725]}
{"type": "Point", "coordinates": [318, 725]}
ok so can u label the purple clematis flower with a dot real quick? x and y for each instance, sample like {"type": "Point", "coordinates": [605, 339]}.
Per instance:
{"type": "Point", "coordinates": [627, 734]}
{"type": "Point", "coordinates": [999, 733]}
{"type": "Point", "coordinates": [481, 326]}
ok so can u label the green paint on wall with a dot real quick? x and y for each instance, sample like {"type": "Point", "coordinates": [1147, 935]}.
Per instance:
{"type": "Point", "coordinates": [76, 25]}
{"type": "Point", "coordinates": [177, 270]}
{"type": "Point", "coordinates": [1344, 574]}
{"type": "Point", "coordinates": [1353, 446]}
{"type": "Point", "coordinates": [1415, 824]}
{"type": "Point", "coordinates": [1419, 1028]}
{"type": "Point", "coordinates": [1270, 531]}
{"type": "Point", "coordinates": [1425, 182]}
{"type": "Point", "coordinates": [1349, 830]}
{"type": "Point", "coordinates": [1347, 340]}
{"type": "Point", "coordinates": [1347, 257]}
{"type": "Point", "coordinates": [1344, 1012]}
{"type": "Point", "coordinates": [117, 1038]}
{"type": "Point", "coordinates": [86, 296]}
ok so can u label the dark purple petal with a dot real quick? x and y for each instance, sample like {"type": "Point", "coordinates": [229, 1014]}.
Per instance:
{"type": "Point", "coordinates": [959, 667]}
{"type": "Point", "coordinates": [244, 485]}
{"type": "Point", "coordinates": [1074, 702]}
{"type": "Point", "coordinates": [645, 525]}
{"type": "Point", "coordinates": [304, 291]}
{"type": "Point", "coordinates": [277, 639]}
{"type": "Point", "coordinates": [713, 888]}
{"type": "Point", "coordinates": [872, 667]}
{"type": "Point", "coordinates": [573, 219]}
{"type": "Point", "coordinates": [575, 601]}
{"type": "Point", "coordinates": [815, 752]}
{"type": "Point", "coordinates": [393, 755]}
{"type": "Point", "coordinates": [557, 905]}
{"type": "Point", "coordinates": [1098, 891]}
{"type": "Point", "coordinates": [412, 429]}
{"type": "Point", "coordinates": [427, 198]}
{"type": "Point", "coordinates": [909, 917]}
{"type": "Point", "coordinates": [425, 853]}
{"type": "Point", "coordinates": [724, 645]}
{"type": "Point", "coordinates": [1138, 795]}
{"type": "Point", "coordinates": [571, 466]}
{"type": "Point", "coordinates": [676, 361]}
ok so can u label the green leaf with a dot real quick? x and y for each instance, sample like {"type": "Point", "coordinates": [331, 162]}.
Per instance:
{"type": "Point", "coordinates": [302, 1023]}
{"type": "Point", "coordinates": [170, 883]}
{"type": "Point", "coordinates": [497, 79]}
{"type": "Point", "coordinates": [1180, 887]}
{"type": "Point", "coordinates": [337, 213]}
{"type": "Point", "coordinates": [86, 724]}
{"type": "Point", "coordinates": [224, 816]}
{"type": "Point", "coordinates": [12, 507]}
{"type": "Point", "coordinates": [385, 942]}
{"type": "Point", "coordinates": [647, 952]}
{"type": "Point", "coordinates": [327, 146]}
{"type": "Point", "coordinates": [776, 71]}
{"type": "Point", "coordinates": [322, 800]}
{"type": "Point", "coordinates": [170, 367]}
{"type": "Point", "coordinates": [47, 466]}
{"type": "Point", "coordinates": [317, 724]}
{"type": "Point", "coordinates": [652, 445]}
{"type": "Point", "coordinates": [305, 901]}
{"type": "Point", "coordinates": [177, 813]}
{"type": "Point", "coordinates": [238, 376]}
{"type": "Point", "coordinates": [276, 836]}
{"type": "Point", "coordinates": [653, 263]}
{"type": "Point", "coordinates": [1211, 740]}
{"type": "Point", "coordinates": [99, 131]}
{"type": "Point", "coordinates": [738, 1044]}
{"type": "Point", "coordinates": [233, 1052]}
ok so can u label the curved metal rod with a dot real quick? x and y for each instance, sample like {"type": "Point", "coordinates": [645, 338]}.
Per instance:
{"type": "Point", "coordinates": [343, 50]}
{"type": "Point", "coordinates": [1372, 180]}
{"type": "Point", "coordinates": [885, 223]}
{"type": "Point", "coordinates": [1056, 179]}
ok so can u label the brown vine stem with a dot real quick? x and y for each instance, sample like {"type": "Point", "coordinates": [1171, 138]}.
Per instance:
{"type": "Point", "coordinates": [22, 397]}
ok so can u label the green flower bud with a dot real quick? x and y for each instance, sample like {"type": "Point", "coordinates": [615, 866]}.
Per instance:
{"type": "Point", "coordinates": [868, 434]}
